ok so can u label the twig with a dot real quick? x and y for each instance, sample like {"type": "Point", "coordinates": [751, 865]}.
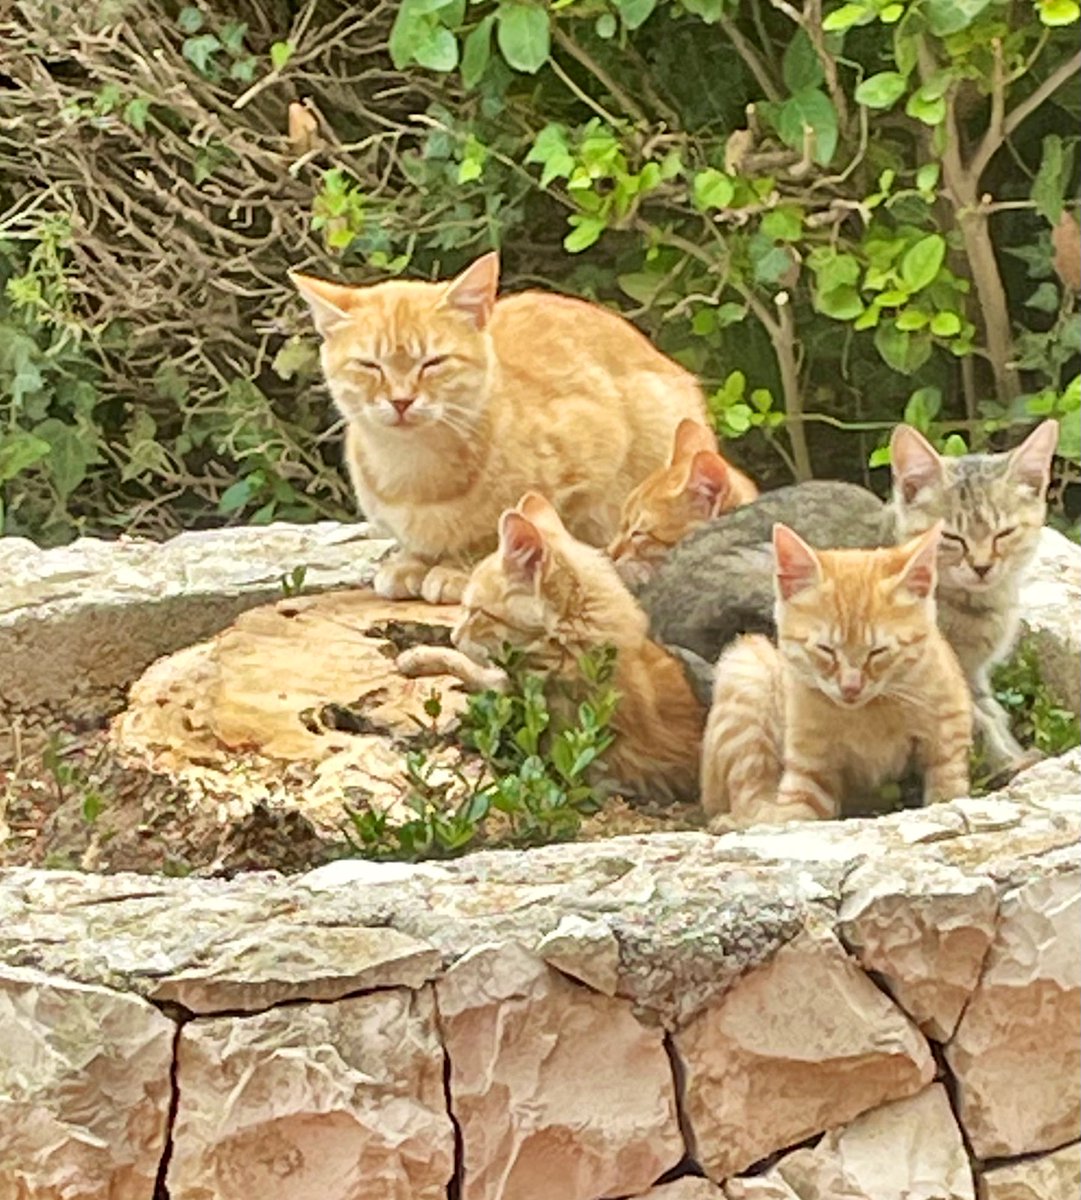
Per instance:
{"type": "Point", "coordinates": [751, 57]}
{"type": "Point", "coordinates": [600, 74]}
{"type": "Point", "coordinates": [582, 95]}
{"type": "Point", "coordinates": [1010, 122]}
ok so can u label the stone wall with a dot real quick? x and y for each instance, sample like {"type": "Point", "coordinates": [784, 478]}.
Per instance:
{"type": "Point", "coordinates": [873, 1010]}
{"type": "Point", "coordinates": [883, 1009]}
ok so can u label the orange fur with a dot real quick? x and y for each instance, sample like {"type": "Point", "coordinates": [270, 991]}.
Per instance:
{"type": "Point", "coordinates": [861, 682]}
{"type": "Point", "coordinates": [697, 483]}
{"type": "Point", "coordinates": [457, 402]}
{"type": "Point", "coordinates": [554, 598]}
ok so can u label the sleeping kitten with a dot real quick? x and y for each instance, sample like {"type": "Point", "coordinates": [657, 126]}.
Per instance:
{"type": "Point", "coordinates": [861, 682]}
{"type": "Point", "coordinates": [718, 583]}
{"type": "Point", "coordinates": [554, 598]}
{"type": "Point", "coordinates": [697, 483]}
{"type": "Point", "coordinates": [456, 403]}
{"type": "Point", "coordinates": [992, 507]}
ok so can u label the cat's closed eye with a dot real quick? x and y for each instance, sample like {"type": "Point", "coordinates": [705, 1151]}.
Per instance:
{"type": "Point", "coordinates": [1005, 533]}
{"type": "Point", "coordinates": [437, 360]}
{"type": "Point", "coordinates": [956, 538]}
{"type": "Point", "coordinates": [826, 650]}
{"type": "Point", "coordinates": [365, 364]}
{"type": "Point", "coordinates": [876, 652]}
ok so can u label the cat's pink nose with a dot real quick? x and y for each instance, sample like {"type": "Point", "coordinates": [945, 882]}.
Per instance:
{"type": "Point", "coordinates": [851, 686]}
{"type": "Point", "coordinates": [981, 569]}
{"type": "Point", "coordinates": [403, 405]}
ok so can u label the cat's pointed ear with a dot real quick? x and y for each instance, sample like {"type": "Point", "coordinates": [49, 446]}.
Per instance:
{"type": "Point", "coordinates": [797, 565]}
{"type": "Point", "coordinates": [915, 462]}
{"type": "Point", "coordinates": [473, 292]}
{"type": "Point", "coordinates": [538, 509]}
{"type": "Point", "coordinates": [330, 303]}
{"type": "Point", "coordinates": [707, 482]}
{"type": "Point", "coordinates": [690, 438]}
{"type": "Point", "coordinates": [521, 544]}
{"type": "Point", "coordinates": [919, 556]}
{"type": "Point", "coordinates": [1031, 461]}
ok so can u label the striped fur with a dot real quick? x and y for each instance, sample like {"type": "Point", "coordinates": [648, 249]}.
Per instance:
{"type": "Point", "coordinates": [697, 483]}
{"type": "Point", "coordinates": [861, 685]}
{"type": "Point", "coordinates": [554, 598]}
{"type": "Point", "coordinates": [992, 507]}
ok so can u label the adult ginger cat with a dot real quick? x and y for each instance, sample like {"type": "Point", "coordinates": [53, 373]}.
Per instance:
{"type": "Point", "coordinates": [861, 682]}
{"type": "Point", "coordinates": [456, 403]}
{"type": "Point", "coordinates": [696, 483]}
{"type": "Point", "coordinates": [553, 597]}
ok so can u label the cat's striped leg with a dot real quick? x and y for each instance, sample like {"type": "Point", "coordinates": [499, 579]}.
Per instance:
{"type": "Point", "coordinates": [400, 577]}
{"type": "Point", "coordinates": [806, 793]}
{"type": "Point", "coordinates": [946, 757]}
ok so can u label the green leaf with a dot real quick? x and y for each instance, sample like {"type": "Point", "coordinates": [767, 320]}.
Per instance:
{"type": "Point", "coordinates": [945, 324]}
{"type": "Point", "coordinates": [135, 113]}
{"type": "Point", "coordinates": [523, 35]}
{"type": "Point", "coordinates": [800, 66]}
{"type": "Point", "coordinates": [586, 230]}
{"type": "Point", "coordinates": [880, 457]}
{"type": "Point", "coordinates": [922, 262]}
{"type": "Point", "coordinates": [235, 496]}
{"type": "Point", "coordinates": [713, 189]}
{"type": "Point", "coordinates": [200, 51]}
{"type": "Point", "coordinates": [846, 16]}
{"type": "Point", "coordinates": [551, 149]}
{"type": "Point", "coordinates": [927, 177]}
{"type": "Point", "coordinates": [832, 269]}
{"type": "Point", "coordinates": [923, 406]}
{"type": "Point", "coordinates": [1049, 185]}
{"type": "Point", "coordinates": [18, 451]}
{"type": "Point", "coordinates": [814, 108]}
{"type": "Point", "coordinates": [843, 302]}
{"type": "Point", "coordinates": [477, 51]}
{"type": "Point", "coordinates": [931, 110]}
{"type": "Point", "coordinates": [904, 352]}
{"type": "Point", "coordinates": [709, 10]}
{"type": "Point", "coordinates": [784, 224]}
{"type": "Point", "coordinates": [955, 446]}
{"type": "Point", "coordinates": [1045, 298]}
{"type": "Point", "coordinates": [891, 14]}
{"type": "Point", "coordinates": [944, 17]}
{"type": "Point", "coordinates": [1059, 12]}
{"type": "Point", "coordinates": [438, 51]}
{"type": "Point", "coordinates": [280, 54]}
{"type": "Point", "coordinates": [771, 263]}
{"type": "Point", "coordinates": [911, 318]}
{"type": "Point", "coordinates": [635, 12]}
{"type": "Point", "coordinates": [882, 90]}
{"type": "Point", "coordinates": [606, 27]}
{"type": "Point", "coordinates": [69, 454]}
{"type": "Point", "coordinates": [232, 36]}
{"type": "Point", "coordinates": [190, 19]}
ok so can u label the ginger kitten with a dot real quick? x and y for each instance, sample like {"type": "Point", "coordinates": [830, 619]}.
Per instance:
{"type": "Point", "coordinates": [696, 483]}
{"type": "Point", "coordinates": [456, 403]}
{"type": "Point", "coordinates": [554, 597]}
{"type": "Point", "coordinates": [992, 507]}
{"type": "Point", "coordinates": [860, 683]}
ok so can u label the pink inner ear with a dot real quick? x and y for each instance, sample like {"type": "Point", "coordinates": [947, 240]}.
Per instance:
{"type": "Point", "coordinates": [918, 574]}
{"type": "Point", "coordinates": [915, 461]}
{"type": "Point", "coordinates": [521, 544]}
{"type": "Point", "coordinates": [473, 292]}
{"type": "Point", "coordinates": [797, 564]}
{"type": "Point", "coordinates": [1031, 461]}
{"type": "Point", "coordinates": [708, 480]}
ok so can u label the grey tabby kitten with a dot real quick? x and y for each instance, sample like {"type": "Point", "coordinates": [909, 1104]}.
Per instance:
{"type": "Point", "coordinates": [718, 582]}
{"type": "Point", "coordinates": [993, 507]}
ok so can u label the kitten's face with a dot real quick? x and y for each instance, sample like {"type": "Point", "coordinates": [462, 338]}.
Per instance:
{"type": "Point", "coordinates": [853, 623]}
{"type": "Point", "coordinates": [542, 592]}
{"type": "Point", "coordinates": [991, 506]}
{"type": "Point", "coordinates": [406, 355]}
{"type": "Point", "coordinates": [670, 503]}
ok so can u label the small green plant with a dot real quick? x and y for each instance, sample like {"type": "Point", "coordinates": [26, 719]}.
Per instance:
{"type": "Point", "coordinates": [1037, 718]}
{"type": "Point", "coordinates": [71, 776]}
{"type": "Point", "coordinates": [537, 745]}
{"type": "Point", "coordinates": [292, 582]}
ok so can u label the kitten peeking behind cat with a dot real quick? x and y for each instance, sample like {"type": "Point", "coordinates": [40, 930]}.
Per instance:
{"type": "Point", "coordinates": [860, 682]}
{"type": "Point", "coordinates": [992, 507]}
{"type": "Point", "coordinates": [697, 483]}
{"type": "Point", "coordinates": [554, 598]}
{"type": "Point", "coordinates": [456, 403]}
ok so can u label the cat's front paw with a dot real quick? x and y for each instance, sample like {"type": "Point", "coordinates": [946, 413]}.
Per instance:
{"type": "Point", "coordinates": [444, 585]}
{"type": "Point", "coordinates": [1017, 764]}
{"type": "Point", "coordinates": [400, 578]}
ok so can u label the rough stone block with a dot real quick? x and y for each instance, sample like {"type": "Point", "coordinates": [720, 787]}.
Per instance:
{"type": "Point", "coordinates": [1054, 1176]}
{"type": "Point", "coordinates": [84, 1090]}
{"type": "Point", "coordinates": [800, 1045]}
{"type": "Point", "coordinates": [340, 1101]}
{"type": "Point", "coordinates": [559, 1093]}
{"type": "Point", "coordinates": [1025, 1011]}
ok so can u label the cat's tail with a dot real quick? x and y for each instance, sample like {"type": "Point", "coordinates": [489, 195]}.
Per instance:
{"type": "Point", "coordinates": [742, 745]}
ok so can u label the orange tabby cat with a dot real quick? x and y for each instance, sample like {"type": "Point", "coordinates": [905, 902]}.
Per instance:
{"type": "Point", "coordinates": [696, 483]}
{"type": "Point", "coordinates": [457, 402]}
{"type": "Point", "coordinates": [554, 598]}
{"type": "Point", "coordinates": [861, 682]}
